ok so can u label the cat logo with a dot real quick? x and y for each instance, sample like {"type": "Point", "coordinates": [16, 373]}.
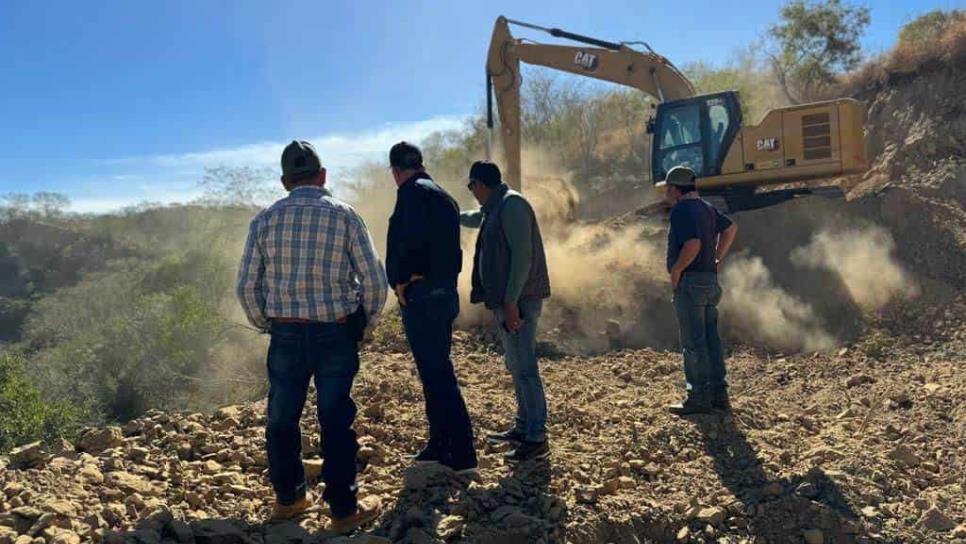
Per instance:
{"type": "Point", "coordinates": [587, 61]}
{"type": "Point", "coordinates": [767, 144]}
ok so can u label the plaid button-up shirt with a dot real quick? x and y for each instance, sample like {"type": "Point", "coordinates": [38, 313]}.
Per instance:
{"type": "Point", "coordinates": [309, 256]}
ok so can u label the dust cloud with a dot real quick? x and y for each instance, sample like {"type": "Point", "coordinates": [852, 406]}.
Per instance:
{"type": "Point", "coordinates": [863, 258]}
{"type": "Point", "coordinates": [610, 289]}
{"type": "Point", "coordinates": [764, 313]}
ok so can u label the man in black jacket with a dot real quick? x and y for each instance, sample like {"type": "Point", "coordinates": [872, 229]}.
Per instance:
{"type": "Point", "coordinates": [423, 262]}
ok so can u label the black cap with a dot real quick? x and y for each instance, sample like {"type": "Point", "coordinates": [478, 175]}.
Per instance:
{"type": "Point", "coordinates": [405, 156]}
{"type": "Point", "coordinates": [486, 172]}
{"type": "Point", "coordinates": [299, 160]}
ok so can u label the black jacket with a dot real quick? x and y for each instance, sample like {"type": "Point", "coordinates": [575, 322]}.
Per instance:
{"type": "Point", "coordinates": [424, 233]}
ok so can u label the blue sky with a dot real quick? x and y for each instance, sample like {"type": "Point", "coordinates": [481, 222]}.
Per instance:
{"type": "Point", "coordinates": [115, 102]}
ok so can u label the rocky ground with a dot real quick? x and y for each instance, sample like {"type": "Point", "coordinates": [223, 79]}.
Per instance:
{"type": "Point", "coordinates": [863, 444]}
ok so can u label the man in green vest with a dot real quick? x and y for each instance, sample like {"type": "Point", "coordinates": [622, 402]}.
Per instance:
{"type": "Point", "coordinates": [510, 277]}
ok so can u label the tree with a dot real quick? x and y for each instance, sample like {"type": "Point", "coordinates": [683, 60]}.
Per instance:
{"type": "Point", "coordinates": [24, 414]}
{"type": "Point", "coordinates": [50, 204]}
{"type": "Point", "coordinates": [15, 205]}
{"type": "Point", "coordinates": [813, 42]}
{"type": "Point", "coordinates": [239, 186]}
{"type": "Point", "coordinates": [44, 203]}
{"type": "Point", "coordinates": [926, 29]}
{"type": "Point", "coordinates": [744, 71]}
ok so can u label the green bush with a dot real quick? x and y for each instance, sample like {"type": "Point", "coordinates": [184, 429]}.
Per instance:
{"type": "Point", "coordinates": [928, 29]}
{"type": "Point", "coordinates": [25, 416]}
{"type": "Point", "coordinates": [138, 336]}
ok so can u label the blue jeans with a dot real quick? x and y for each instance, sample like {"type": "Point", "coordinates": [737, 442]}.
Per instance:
{"type": "Point", "coordinates": [696, 305]}
{"type": "Point", "coordinates": [520, 356]}
{"type": "Point", "coordinates": [428, 319]}
{"type": "Point", "coordinates": [297, 353]}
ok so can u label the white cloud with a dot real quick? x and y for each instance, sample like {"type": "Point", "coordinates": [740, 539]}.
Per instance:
{"type": "Point", "coordinates": [338, 151]}
{"type": "Point", "coordinates": [111, 204]}
{"type": "Point", "coordinates": [169, 178]}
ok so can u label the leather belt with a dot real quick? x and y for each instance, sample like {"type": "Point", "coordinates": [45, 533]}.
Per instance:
{"type": "Point", "coordinates": [304, 321]}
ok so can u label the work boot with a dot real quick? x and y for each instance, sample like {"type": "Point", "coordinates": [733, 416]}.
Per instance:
{"type": "Point", "coordinates": [367, 511]}
{"type": "Point", "coordinates": [720, 400]}
{"type": "Point", "coordinates": [290, 511]}
{"type": "Point", "coordinates": [527, 451]}
{"type": "Point", "coordinates": [690, 406]}
{"type": "Point", "coordinates": [512, 435]}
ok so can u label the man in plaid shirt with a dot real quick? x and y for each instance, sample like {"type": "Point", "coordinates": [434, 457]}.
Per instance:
{"type": "Point", "coordinates": [311, 277]}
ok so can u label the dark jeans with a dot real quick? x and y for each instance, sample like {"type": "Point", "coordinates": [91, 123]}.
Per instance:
{"type": "Point", "coordinates": [428, 319]}
{"type": "Point", "coordinates": [520, 357]}
{"type": "Point", "coordinates": [297, 353]}
{"type": "Point", "coordinates": [695, 303]}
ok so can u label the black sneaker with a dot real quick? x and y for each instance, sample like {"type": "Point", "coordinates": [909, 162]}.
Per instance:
{"type": "Point", "coordinates": [528, 451]}
{"type": "Point", "coordinates": [466, 467]}
{"type": "Point", "coordinates": [513, 435]}
{"type": "Point", "coordinates": [690, 406]}
{"type": "Point", "coordinates": [429, 454]}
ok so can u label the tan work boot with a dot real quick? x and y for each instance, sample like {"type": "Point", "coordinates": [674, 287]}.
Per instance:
{"type": "Point", "coordinates": [368, 510]}
{"type": "Point", "coordinates": [290, 511]}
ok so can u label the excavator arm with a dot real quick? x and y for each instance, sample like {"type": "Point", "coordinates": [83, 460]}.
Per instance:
{"type": "Point", "coordinates": [615, 62]}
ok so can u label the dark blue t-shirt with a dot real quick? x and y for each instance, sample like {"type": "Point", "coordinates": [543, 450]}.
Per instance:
{"type": "Point", "coordinates": [695, 218]}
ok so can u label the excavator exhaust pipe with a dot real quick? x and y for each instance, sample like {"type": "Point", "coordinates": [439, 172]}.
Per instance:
{"type": "Point", "coordinates": [489, 117]}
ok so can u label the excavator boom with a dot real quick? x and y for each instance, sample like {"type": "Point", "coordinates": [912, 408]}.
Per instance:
{"type": "Point", "coordinates": [608, 61]}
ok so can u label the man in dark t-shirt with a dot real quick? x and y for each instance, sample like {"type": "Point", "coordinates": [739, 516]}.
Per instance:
{"type": "Point", "coordinates": [698, 239]}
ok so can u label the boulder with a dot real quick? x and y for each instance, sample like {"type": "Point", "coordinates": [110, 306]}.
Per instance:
{"type": "Point", "coordinates": [905, 455]}
{"type": "Point", "coordinates": [313, 469]}
{"type": "Point", "coordinates": [90, 474]}
{"type": "Point", "coordinates": [97, 440]}
{"type": "Point", "coordinates": [130, 483]}
{"type": "Point", "coordinates": [712, 515]}
{"type": "Point", "coordinates": [219, 531]}
{"type": "Point", "coordinates": [28, 456]}
{"type": "Point", "coordinates": [61, 447]}
{"type": "Point", "coordinates": [813, 536]}
{"type": "Point", "coordinates": [935, 520]}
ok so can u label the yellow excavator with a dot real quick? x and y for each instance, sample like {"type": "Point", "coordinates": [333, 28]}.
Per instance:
{"type": "Point", "coordinates": [705, 132]}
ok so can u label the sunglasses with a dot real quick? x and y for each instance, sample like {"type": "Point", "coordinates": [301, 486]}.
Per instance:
{"type": "Point", "coordinates": [469, 185]}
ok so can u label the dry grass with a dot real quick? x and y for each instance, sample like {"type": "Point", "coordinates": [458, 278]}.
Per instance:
{"type": "Point", "coordinates": [948, 50]}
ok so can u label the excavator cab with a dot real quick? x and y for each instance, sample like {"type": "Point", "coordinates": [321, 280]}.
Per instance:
{"type": "Point", "coordinates": [696, 132]}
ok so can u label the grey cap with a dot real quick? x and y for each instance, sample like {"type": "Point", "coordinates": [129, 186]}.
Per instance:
{"type": "Point", "coordinates": [300, 159]}
{"type": "Point", "coordinates": [679, 176]}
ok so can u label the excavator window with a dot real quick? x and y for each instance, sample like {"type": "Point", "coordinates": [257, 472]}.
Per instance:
{"type": "Point", "coordinates": [680, 137]}
{"type": "Point", "coordinates": [695, 132]}
{"type": "Point", "coordinates": [720, 121]}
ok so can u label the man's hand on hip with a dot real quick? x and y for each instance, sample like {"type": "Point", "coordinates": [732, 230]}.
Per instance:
{"type": "Point", "coordinates": [675, 279]}
{"type": "Point", "coordinates": [511, 316]}
{"type": "Point", "coordinates": [400, 288]}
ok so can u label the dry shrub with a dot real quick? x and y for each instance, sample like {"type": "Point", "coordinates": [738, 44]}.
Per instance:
{"type": "Point", "coordinates": [948, 49]}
